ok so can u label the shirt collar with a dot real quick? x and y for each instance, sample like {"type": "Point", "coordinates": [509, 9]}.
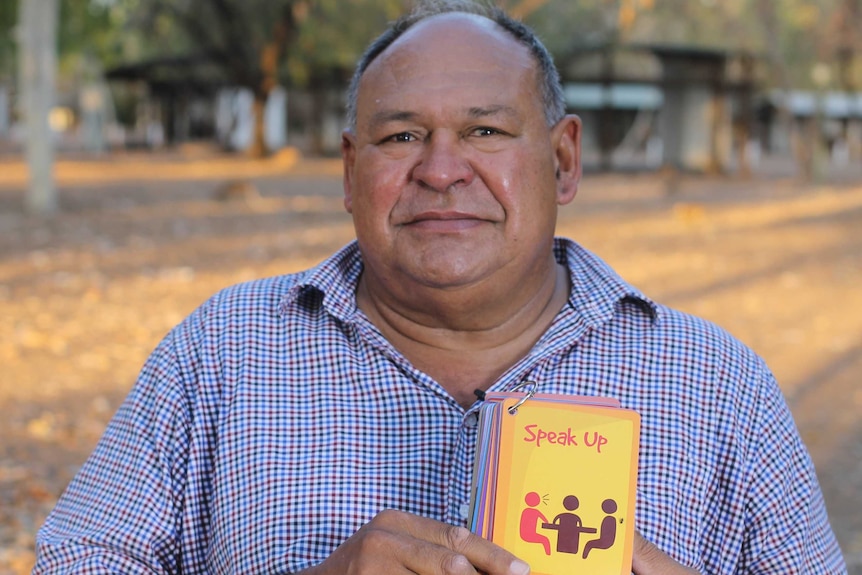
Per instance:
{"type": "Point", "coordinates": [597, 290]}
{"type": "Point", "coordinates": [334, 280]}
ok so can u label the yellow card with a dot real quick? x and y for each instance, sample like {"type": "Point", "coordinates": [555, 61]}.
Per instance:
{"type": "Point", "coordinates": [566, 482]}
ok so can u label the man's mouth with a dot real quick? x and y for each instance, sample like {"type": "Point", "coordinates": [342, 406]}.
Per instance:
{"type": "Point", "coordinates": [445, 221]}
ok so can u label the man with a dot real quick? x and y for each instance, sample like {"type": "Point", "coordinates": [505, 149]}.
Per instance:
{"type": "Point", "coordinates": [324, 422]}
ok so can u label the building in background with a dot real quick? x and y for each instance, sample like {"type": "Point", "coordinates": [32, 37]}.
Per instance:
{"type": "Point", "coordinates": [657, 106]}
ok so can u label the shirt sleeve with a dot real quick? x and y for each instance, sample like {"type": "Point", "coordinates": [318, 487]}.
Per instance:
{"type": "Point", "coordinates": [122, 512]}
{"type": "Point", "coordinates": [787, 526]}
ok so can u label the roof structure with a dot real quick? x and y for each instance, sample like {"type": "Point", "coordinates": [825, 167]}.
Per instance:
{"type": "Point", "coordinates": [192, 73]}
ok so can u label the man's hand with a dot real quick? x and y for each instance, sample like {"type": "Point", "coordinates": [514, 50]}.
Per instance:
{"type": "Point", "coordinates": [396, 542]}
{"type": "Point", "coordinates": [647, 559]}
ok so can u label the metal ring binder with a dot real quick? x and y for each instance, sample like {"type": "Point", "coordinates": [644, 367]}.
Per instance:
{"type": "Point", "coordinates": [534, 387]}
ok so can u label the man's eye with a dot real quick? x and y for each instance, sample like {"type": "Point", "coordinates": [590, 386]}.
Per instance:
{"type": "Point", "coordinates": [486, 131]}
{"type": "Point", "coordinates": [402, 137]}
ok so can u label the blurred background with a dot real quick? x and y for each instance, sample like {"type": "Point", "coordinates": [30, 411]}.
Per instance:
{"type": "Point", "coordinates": [721, 86]}
{"type": "Point", "coordinates": [155, 151]}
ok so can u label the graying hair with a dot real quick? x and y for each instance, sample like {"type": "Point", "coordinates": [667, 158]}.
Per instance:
{"type": "Point", "coordinates": [549, 78]}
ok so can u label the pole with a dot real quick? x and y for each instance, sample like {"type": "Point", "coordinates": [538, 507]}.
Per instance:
{"type": "Point", "coordinates": [38, 63]}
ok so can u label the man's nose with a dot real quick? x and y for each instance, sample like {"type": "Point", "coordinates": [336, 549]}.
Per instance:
{"type": "Point", "coordinates": [443, 163]}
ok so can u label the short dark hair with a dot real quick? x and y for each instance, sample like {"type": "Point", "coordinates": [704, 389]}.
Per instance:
{"type": "Point", "coordinates": [549, 78]}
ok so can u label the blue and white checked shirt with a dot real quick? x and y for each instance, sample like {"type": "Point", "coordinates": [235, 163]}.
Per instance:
{"type": "Point", "coordinates": [276, 420]}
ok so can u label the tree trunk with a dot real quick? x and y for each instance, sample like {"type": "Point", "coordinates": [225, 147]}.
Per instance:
{"type": "Point", "coordinates": [38, 54]}
{"type": "Point", "coordinates": [268, 81]}
{"type": "Point", "coordinates": [283, 30]}
{"type": "Point", "coordinates": [318, 111]}
{"type": "Point", "coordinates": [258, 148]}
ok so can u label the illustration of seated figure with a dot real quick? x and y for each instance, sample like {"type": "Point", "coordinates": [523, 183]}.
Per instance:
{"type": "Point", "coordinates": [607, 531]}
{"type": "Point", "coordinates": [569, 527]}
{"type": "Point", "coordinates": [530, 519]}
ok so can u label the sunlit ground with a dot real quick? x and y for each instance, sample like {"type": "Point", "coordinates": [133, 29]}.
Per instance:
{"type": "Point", "coordinates": [86, 294]}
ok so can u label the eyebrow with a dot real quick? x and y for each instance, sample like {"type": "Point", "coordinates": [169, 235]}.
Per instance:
{"type": "Point", "coordinates": [500, 109]}
{"type": "Point", "coordinates": [392, 116]}
{"type": "Point", "coordinates": [475, 112]}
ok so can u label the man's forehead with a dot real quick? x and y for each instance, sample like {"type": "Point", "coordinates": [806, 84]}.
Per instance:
{"type": "Point", "coordinates": [465, 63]}
{"type": "Point", "coordinates": [449, 21]}
{"type": "Point", "coordinates": [436, 32]}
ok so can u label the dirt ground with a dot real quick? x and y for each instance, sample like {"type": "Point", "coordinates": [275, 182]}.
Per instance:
{"type": "Point", "coordinates": [86, 294]}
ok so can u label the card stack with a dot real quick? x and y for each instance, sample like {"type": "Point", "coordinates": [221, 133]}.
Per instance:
{"type": "Point", "coordinates": [554, 481]}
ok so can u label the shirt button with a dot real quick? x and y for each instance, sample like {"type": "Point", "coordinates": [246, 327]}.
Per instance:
{"type": "Point", "coordinates": [464, 511]}
{"type": "Point", "coordinates": [471, 420]}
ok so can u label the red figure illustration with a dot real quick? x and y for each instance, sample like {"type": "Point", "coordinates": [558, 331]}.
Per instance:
{"type": "Point", "coordinates": [569, 527]}
{"type": "Point", "coordinates": [607, 531]}
{"type": "Point", "coordinates": [530, 519]}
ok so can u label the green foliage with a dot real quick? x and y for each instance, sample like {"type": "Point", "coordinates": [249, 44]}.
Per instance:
{"type": "Point", "coordinates": [86, 39]}
{"type": "Point", "coordinates": [332, 37]}
{"type": "Point", "coordinates": [323, 36]}
{"type": "Point", "coordinates": [87, 29]}
{"type": "Point", "coordinates": [8, 22]}
{"type": "Point", "coordinates": [326, 36]}
{"type": "Point", "coordinates": [563, 25]}
{"type": "Point", "coordinates": [792, 35]}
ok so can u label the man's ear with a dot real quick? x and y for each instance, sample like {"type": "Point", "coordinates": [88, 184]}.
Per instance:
{"type": "Point", "coordinates": [566, 138]}
{"type": "Point", "coordinates": [348, 158]}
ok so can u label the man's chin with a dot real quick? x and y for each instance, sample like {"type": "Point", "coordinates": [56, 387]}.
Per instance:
{"type": "Point", "coordinates": [448, 272]}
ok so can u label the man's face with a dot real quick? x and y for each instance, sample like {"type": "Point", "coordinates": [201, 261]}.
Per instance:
{"type": "Point", "coordinates": [450, 174]}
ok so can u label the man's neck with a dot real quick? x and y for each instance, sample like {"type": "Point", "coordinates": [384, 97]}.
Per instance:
{"type": "Point", "coordinates": [462, 340]}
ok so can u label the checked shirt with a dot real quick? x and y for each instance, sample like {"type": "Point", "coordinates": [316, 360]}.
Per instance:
{"type": "Point", "coordinates": [276, 420]}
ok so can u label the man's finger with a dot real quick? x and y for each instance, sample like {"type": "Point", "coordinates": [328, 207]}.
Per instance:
{"type": "Point", "coordinates": [486, 556]}
{"type": "Point", "coordinates": [386, 551]}
{"type": "Point", "coordinates": [479, 553]}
